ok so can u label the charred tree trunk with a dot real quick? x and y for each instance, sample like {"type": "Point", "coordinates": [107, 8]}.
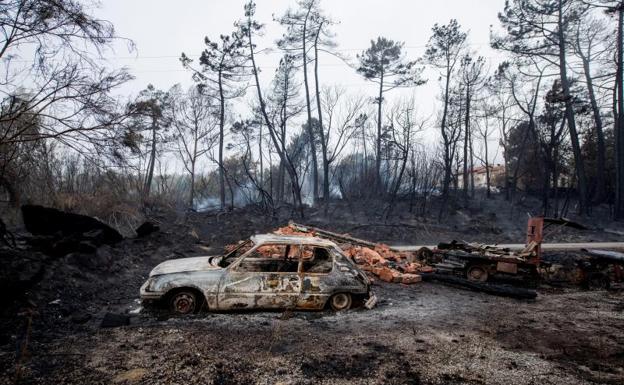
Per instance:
{"type": "Point", "coordinates": [516, 171]}
{"type": "Point", "coordinates": [466, 144]}
{"type": "Point", "coordinates": [447, 145]}
{"type": "Point", "coordinates": [619, 128]}
{"type": "Point", "coordinates": [378, 138]}
{"type": "Point", "coordinates": [472, 182]}
{"type": "Point", "coordinates": [11, 190]}
{"type": "Point", "coordinates": [261, 161]}
{"type": "Point", "coordinates": [311, 135]}
{"type": "Point", "coordinates": [150, 171]}
{"type": "Point", "coordinates": [555, 179]}
{"type": "Point", "coordinates": [487, 170]}
{"type": "Point", "coordinates": [221, 141]}
{"type": "Point", "coordinates": [320, 119]}
{"type": "Point", "coordinates": [281, 177]}
{"type": "Point", "coordinates": [601, 159]}
{"type": "Point", "coordinates": [280, 180]}
{"type": "Point", "coordinates": [569, 112]}
{"type": "Point", "coordinates": [546, 186]}
{"type": "Point", "coordinates": [192, 186]}
{"type": "Point", "coordinates": [397, 185]}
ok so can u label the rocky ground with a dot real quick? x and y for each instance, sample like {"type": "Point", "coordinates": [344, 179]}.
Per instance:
{"type": "Point", "coordinates": [420, 334]}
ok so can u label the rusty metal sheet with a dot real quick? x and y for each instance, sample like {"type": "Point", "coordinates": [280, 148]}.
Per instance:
{"type": "Point", "coordinates": [506, 267]}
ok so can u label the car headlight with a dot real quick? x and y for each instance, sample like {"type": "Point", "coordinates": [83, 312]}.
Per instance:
{"type": "Point", "coordinates": [149, 286]}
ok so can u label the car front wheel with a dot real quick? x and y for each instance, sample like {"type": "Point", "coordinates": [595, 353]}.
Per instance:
{"type": "Point", "coordinates": [340, 301]}
{"type": "Point", "coordinates": [183, 302]}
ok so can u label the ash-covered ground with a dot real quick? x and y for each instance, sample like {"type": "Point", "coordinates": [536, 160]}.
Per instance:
{"type": "Point", "coordinates": [419, 334]}
{"type": "Point", "coordinates": [422, 334]}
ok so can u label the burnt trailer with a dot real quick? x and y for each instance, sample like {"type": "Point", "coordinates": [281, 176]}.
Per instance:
{"type": "Point", "coordinates": [479, 262]}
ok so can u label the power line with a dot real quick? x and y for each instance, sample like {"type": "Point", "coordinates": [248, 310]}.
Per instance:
{"type": "Point", "coordinates": [266, 52]}
{"type": "Point", "coordinates": [273, 52]}
{"type": "Point", "coordinates": [336, 65]}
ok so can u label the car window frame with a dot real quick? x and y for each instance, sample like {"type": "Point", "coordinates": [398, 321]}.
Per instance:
{"type": "Point", "coordinates": [330, 251]}
{"type": "Point", "coordinates": [232, 267]}
{"type": "Point", "coordinates": [238, 247]}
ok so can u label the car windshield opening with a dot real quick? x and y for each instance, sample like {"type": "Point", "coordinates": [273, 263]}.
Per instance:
{"type": "Point", "coordinates": [234, 252]}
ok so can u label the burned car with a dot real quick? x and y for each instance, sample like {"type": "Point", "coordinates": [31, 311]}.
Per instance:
{"type": "Point", "coordinates": [266, 272]}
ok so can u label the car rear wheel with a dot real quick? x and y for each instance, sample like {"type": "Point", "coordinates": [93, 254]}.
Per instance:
{"type": "Point", "coordinates": [477, 273]}
{"type": "Point", "coordinates": [340, 301]}
{"type": "Point", "coordinates": [184, 302]}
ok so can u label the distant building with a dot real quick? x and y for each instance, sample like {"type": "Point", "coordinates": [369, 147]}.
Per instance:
{"type": "Point", "coordinates": [479, 175]}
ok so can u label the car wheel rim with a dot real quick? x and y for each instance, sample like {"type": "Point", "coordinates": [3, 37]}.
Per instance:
{"type": "Point", "coordinates": [340, 301]}
{"type": "Point", "coordinates": [184, 303]}
{"type": "Point", "coordinates": [477, 274]}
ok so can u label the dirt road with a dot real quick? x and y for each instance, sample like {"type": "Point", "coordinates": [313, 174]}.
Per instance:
{"type": "Point", "coordinates": [421, 334]}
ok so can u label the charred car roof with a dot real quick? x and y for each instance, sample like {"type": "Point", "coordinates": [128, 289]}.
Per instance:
{"type": "Point", "coordinates": [292, 239]}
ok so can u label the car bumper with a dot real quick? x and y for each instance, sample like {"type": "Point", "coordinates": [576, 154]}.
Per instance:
{"type": "Point", "coordinates": [371, 301]}
{"type": "Point", "coordinates": [149, 295]}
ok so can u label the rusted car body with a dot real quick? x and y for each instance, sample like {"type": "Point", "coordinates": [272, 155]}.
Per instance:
{"type": "Point", "coordinates": [267, 272]}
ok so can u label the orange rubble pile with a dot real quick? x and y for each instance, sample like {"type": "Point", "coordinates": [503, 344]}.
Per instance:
{"type": "Point", "coordinates": [411, 278]}
{"type": "Point", "coordinates": [390, 275]}
{"type": "Point", "coordinates": [287, 230]}
{"type": "Point", "coordinates": [387, 264]}
{"type": "Point", "coordinates": [383, 262]}
{"type": "Point", "coordinates": [366, 256]}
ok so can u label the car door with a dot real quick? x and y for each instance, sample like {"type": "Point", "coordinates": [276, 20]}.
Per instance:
{"type": "Point", "coordinates": [317, 279]}
{"type": "Point", "coordinates": [264, 278]}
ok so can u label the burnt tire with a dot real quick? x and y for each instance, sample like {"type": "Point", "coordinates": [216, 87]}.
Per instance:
{"type": "Point", "coordinates": [340, 301]}
{"type": "Point", "coordinates": [184, 302]}
{"type": "Point", "coordinates": [477, 273]}
{"type": "Point", "coordinates": [425, 254]}
{"type": "Point", "coordinates": [597, 281]}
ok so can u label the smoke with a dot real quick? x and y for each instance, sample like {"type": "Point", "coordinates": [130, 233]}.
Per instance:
{"type": "Point", "coordinates": [243, 195]}
{"type": "Point", "coordinates": [206, 204]}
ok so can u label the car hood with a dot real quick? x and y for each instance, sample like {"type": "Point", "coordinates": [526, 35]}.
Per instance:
{"type": "Point", "coordinates": [183, 265]}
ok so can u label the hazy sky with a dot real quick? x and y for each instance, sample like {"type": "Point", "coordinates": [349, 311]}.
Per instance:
{"type": "Point", "coordinates": [163, 29]}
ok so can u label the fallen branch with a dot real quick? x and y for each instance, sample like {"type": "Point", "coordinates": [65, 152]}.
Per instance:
{"type": "Point", "coordinates": [565, 222]}
{"type": "Point", "coordinates": [615, 232]}
{"type": "Point", "coordinates": [608, 255]}
{"type": "Point", "coordinates": [328, 234]}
